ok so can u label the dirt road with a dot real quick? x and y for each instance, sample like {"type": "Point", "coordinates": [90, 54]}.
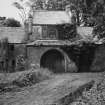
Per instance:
{"type": "Point", "coordinates": [49, 91]}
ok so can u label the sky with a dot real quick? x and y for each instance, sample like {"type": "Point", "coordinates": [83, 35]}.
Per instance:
{"type": "Point", "coordinates": [8, 10]}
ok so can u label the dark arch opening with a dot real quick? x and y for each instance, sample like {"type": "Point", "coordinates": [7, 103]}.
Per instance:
{"type": "Point", "coordinates": [53, 60]}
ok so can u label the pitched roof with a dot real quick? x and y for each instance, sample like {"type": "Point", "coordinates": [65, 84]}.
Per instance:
{"type": "Point", "coordinates": [51, 17]}
{"type": "Point", "coordinates": [14, 34]}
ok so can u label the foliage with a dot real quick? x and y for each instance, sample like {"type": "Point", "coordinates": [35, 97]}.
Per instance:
{"type": "Point", "coordinates": [88, 12]}
{"type": "Point", "coordinates": [22, 10]}
{"type": "Point", "coordinates": [4, 54]}
{"type": "Point", "coordinates": [2, 20]}
{"type": "Point", "coordinates": [77, 5]}
{"type": "Point", "coordinates": [85, 10]}
{"type": "Point", "coordinates": [20, 63]}
{"type": "Point", "coordinates": [10, 22]}
{"type": "Point", "coordinates": [14, 81]}
{"type": "Point", "coordinates": [33, 77]}
{"type": "Point", "coordinates": [99, 30]}
{"type": "Point", "coordinates": [98, 18]}
{"type": "Point", "coordinates": [94, 96]}
{"type": "Point", "coordinates": [49, 5]}
{"type": "Point", "coordinates": [67, 31]}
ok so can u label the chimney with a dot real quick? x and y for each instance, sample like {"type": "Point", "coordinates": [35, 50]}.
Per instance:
{"type": "Point", "coordinates": [68, 10]}
{"type": "Point", "coordinates": [28, 28]}
{"type": "Point", "coordinates": [71, 11]}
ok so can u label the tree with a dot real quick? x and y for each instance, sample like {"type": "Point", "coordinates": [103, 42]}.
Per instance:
{"type": "Point", "coordinates": [80, 6]}
{"type": "Point", "coordinates": [4, 54]}
{"type": "Point", "coordinates": [2, 20]}
{"type": "Point", "coordinates": [51, 5]}
{"type": "Point", "coordinates": [10, 22]}
{"type": "Point", "coordinates": [87, 11]}
{"type": "Point", "coordinates": [22, 9]}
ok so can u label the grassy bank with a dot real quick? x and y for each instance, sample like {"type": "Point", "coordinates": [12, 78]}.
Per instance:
{"type": "Point", "coordinates": [9, 81]}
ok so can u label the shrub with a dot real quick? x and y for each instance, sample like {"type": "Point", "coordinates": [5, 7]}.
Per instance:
{"type": "Point", "coordinates": [32, 77]}
{"type": "Point", "coordinates": [21, 63]}
{"type": "Point", "coordinates": [94, 96]}
{"type": "Point", "coordinates": [11, 22]}
{"type": "Point", "coordinates": [15, 81]}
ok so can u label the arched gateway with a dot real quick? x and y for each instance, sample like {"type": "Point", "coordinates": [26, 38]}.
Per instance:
{"type": "Point", "coordinates": [54, 60]}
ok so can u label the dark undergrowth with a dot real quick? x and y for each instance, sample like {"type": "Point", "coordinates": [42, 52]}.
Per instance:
{"type": "Point", "coordinates": [93, 95]}
{"type": "Point", "coordinates": [15, 81]}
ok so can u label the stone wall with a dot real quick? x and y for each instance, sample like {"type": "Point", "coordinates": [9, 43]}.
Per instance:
{"type": "Point", "coordinates": [17, 56]}
{"type": "Point", "coordinates": [14, 34]}
{"type": "Point", "coordinates": [89, 58]}
{"type": "Point", "coordinates": [34, 55]}
{"type": "Point", "coordinates": [99, 59]}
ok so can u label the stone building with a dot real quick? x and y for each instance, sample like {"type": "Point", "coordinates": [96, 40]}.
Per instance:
{"type": "Point", "coordinates": [50, 40]}
{"type": "Point", "coordinates": [56, 44]}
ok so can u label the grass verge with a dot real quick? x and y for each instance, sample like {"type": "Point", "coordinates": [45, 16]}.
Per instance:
{"type": "Point", "coordinates": [23, 79]}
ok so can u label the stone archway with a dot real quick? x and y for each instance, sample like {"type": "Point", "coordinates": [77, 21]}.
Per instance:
{"type": "Point", "coordinates": [54, 60]}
